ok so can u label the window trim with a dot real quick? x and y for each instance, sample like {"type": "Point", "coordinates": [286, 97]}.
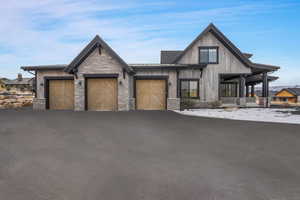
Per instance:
{"type": "Point", "coordinates": [189, 79]}
{"type": "Point", "coordinates": [208, 47]}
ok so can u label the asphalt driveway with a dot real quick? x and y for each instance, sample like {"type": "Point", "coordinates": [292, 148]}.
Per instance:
{"type": "Point", "coordinates": [145, 155]}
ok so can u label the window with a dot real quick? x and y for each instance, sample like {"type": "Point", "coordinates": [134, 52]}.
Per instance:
{"type": "Point", "coordinates": [228, 90]}
{"type": "Point", "coordinates": [189, 88]}
{"type": "Point", "coordinates": [208, 55]}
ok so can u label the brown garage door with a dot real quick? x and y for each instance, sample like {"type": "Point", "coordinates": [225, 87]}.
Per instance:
{"type": "Point", "coordinates": [61, 94]}
{"type": "Point", "coordinates": [102, 94]}
{"type": "Point", "coordinates": [151, 94]}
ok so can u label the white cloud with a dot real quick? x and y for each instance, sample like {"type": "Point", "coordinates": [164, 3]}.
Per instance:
{"type": "Point", "coordinates": [135, 29]}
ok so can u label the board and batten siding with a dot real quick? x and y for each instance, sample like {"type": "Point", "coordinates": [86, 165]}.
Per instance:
{"type": "Point", "coordinates": [228, 63]}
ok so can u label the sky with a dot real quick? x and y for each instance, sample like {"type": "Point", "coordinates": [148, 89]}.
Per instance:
{"type": "Point", "coordinates": [39, 32]}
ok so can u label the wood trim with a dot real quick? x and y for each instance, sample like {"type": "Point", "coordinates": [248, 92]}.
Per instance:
{"type": "Point", "coordinates": [46, 85]}
{"type": "Point", "coordinates": [165, 78]}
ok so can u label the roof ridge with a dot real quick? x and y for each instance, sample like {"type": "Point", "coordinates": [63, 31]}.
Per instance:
{"type": "Point", "coordinates": [89, 48]}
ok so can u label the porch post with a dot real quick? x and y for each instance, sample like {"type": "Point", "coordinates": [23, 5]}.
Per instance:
{"type": "Point", "coordinates": [265, 85]}
{"type": "Point", "coordinates": [242, 86]}
{"type": "Point", "coordinates": [252, 90]}
{"type": "Point", "coordinates": [265, 89]}
{"type": "Point", "coordinates": [247, 90]}
{"type": "Point", "coordinates": [242, 99]}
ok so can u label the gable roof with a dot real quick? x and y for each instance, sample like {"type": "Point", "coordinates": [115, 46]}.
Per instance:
{"type": "Point", "coordinates": [97, 42]}
{"type": "Point", "coordinates": [243, 57]}
{"type": "Point", "coordinates": [168, 57]}
{"type": "Point", "coordinates": [294, 91]}
{"type": "Point", "coordinates": [248, 55]}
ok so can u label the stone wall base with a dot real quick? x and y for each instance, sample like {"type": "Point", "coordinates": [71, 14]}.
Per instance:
{"type": "Point", "coordinates": [173, 104]}
{"type": "Point", "coordinates": [132, 104]}
{"type": "Point", "coordinates": [265, 101]}
{"type": "Point", "coordinates": [39, 104]}
{"type": "Point", "coordinates": [242, 101]}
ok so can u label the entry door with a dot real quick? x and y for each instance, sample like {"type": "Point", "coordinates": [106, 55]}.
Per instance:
{"type": "Point", "coordinates": [151, 94]}
{"type": "Point", "coordinates": [102, 94]}
{"type": "Point", "coordinates": [61, 94]}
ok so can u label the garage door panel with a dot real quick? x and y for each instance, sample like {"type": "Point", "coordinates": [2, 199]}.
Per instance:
{"type": "Point", "coordinates": [151, 94]}
{"type": "Point", "coordinates": [61, 94]}
{"type": "Point", "coordinates": [102, 94]}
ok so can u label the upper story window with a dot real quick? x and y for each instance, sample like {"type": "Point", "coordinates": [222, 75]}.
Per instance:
{"type": "Point", "coordinates": [208, 55]}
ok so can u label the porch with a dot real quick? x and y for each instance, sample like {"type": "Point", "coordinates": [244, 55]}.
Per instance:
{"type": "Point", "coordinates": [239, 90]}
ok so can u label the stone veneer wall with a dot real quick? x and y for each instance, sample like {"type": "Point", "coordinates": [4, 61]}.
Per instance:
{"type": "Point", "coordinates": [39, 103]}
{"type": "Point", "coordinates": [102, 64]}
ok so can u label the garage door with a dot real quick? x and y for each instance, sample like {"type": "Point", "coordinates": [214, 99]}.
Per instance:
{"type": "Point", "coordinates": [102, 94]}
{"type": "Point", "coordinates": [61, 94]}
{"type": "Point", "coordinates": [151, 94]}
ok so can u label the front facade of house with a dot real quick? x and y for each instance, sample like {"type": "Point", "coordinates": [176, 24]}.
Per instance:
{"type": "Point", "coordinates": [210, 71]}
{"type": "Point", "coordinates": [2, 85]}
{"type": "Point", "coordinates": [288, 95]}
{"type": "Point", "coordinates": [20, 83]}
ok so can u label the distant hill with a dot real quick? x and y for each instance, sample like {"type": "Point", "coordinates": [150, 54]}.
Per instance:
{"type": "Point", "coordinates": [278, 88]}
{"type": "Point", "coordinates": [274, 89]}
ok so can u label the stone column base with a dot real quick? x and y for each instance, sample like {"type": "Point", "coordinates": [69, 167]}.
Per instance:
{"type": "Point", "coordinates": [242, 101]}
{"type": "Point", "coordinates": [173, 104]}
{"type": "Point", "coordinates": [265, 101]}
{"type": "Point", "coordinates": [39, 104]}
{"type": "Point", "coordinates": [132, 104]}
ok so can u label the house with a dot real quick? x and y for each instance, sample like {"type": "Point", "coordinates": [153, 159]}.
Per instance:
{"type": "Point", "coordinates": [208, 71]}
{"type": "Point", "coordinates": [2, 84]}
{"type": "Point", "coordinates": [288, 95]}
{"type": "Point", "coordinates": [20, 83]}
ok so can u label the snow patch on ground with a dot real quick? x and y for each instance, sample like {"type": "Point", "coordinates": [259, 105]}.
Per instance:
{"type": "Point", "coordinates": [248, 114]}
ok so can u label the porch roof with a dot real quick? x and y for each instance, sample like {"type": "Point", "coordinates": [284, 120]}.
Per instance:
{"type": "Point", "coordinates": [44, 67]}
{"type": "Point", "coordinates": [256, 79]}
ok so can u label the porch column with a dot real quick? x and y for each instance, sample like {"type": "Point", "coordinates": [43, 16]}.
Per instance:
{"type": "Point", "coordinates": [242, 86]}
{"type": "Point", "coordinates": [242, 99]}
{"type": "Point", "coordinates": [252, 90]}
{"type": "Point", "coordinates": [247, 90]}
{"type": "Point", "coordinates": [265, 91]}
{"type": "Point", "coordinates": [265, 86]}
